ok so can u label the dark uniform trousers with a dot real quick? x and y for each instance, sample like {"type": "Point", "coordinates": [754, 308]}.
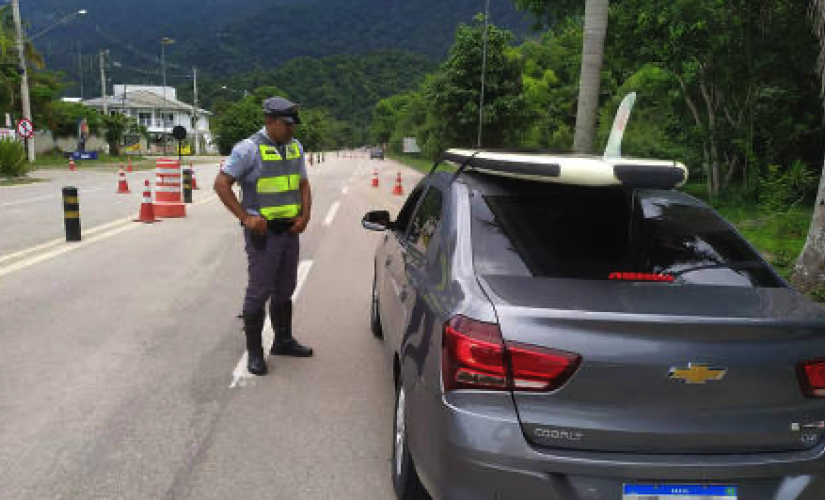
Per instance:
{"type": "Point", "coordinates": [273, 274]}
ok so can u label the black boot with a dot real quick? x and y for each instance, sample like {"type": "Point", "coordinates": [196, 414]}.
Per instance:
{"type": "Point", "coordinates": [253, 325]}
{"type": "Point", "coordinates": [285, 344]}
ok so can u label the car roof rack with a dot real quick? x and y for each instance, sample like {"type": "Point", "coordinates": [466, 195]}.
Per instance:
{"type": "Point", "coordinates": [561, 168]}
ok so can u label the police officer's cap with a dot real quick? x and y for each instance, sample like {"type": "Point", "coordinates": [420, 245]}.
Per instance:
{"type": "Point", "coordinates": [282, 109]}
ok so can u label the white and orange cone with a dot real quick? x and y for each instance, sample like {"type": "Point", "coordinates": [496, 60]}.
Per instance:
{"type": "Point", "coordinates": [122, 185]}
{"type": "Point", "coordinates": [130, 168]}
{"type": "Point", "coordinates": [398, 190]}
{"type": "Point", "coordinates": [72, 166]}
{"type": "Point", "coordinates": [375, 178]}
{"type": "Point", "coordinates": [147, 209]}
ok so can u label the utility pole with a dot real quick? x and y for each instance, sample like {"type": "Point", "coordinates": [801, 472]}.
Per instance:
{"type": "Point", "coordinates": [483, 74]}
{"type": "Point", "coordinates": [195, 111]}
{"type": "Point", "coordinates": [103, 83]}
{"type": "Point", "coordinates": [24, 77]}
{"type": "Point", "coordinates": [80, 69]}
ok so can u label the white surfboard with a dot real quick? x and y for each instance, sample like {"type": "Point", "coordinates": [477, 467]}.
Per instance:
{"type": "Point", "coordinates": [582, 170]}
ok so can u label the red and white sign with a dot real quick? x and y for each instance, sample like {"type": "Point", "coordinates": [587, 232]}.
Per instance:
{"type": "Point", "coordinates": [25, 128]}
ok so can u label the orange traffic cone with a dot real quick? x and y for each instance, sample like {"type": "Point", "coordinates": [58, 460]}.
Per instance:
{"type": "Point", "coordinates": [194, 181]}
{"type": "Point", "coordinates": [375, 178]}
{"type": "Point", "coordinates": [129, 168]}
{"type": "Point", "coordinates": [398, 190]}
{"type": "Point", "coordinates": [147, 210]}
{"type": "Point", "coordinates": [72, 166]}
{"type": "Point", "coordinates": [122, 185]}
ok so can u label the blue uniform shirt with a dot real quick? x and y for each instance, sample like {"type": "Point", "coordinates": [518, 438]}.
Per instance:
{"type": "Point", "coordinates": [244, 165]}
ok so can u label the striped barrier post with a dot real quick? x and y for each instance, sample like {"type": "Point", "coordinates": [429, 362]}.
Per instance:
{"type": "Point", "coordinates": [71, 213]}
{"type": "Point", "coordinates": [168, 201]}
{"type": "Point", "coordinates": [187, 185]}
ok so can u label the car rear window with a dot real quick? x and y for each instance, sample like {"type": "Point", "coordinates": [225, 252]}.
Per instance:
{"type": "Point", "coordinates": [608, 233]}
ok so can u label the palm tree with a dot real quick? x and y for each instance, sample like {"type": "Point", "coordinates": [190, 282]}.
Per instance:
{"type": "Point", "coordinates": [595, 30]}
{"type": "Point", "coordinates": [809, 271]}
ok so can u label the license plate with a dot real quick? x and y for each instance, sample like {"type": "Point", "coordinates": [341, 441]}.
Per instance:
{"type": "Point", "coordinates": [678, 492]}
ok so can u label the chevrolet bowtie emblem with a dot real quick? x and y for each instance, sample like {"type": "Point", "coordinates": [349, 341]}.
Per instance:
{"type": "Point", "coordinates": [697, 373]}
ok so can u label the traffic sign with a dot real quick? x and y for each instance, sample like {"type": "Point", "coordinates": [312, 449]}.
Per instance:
{"type": "Point", "coordinates": [25, 128]}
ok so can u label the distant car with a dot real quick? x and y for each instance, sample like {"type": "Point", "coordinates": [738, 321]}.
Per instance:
{"type": "Point", "coordinates": [566, 342]}
{"type": "Point", "coordinates": [376, 153]}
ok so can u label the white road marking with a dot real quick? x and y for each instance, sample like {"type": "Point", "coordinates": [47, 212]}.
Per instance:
{"type": "Point", "coordinates": [240, 375]}
{"type": "Point", "coordinates": [331, 214]}
{"type": "Point", "coordinates": [81, 191]}
{"type": "Point", "coordinates": [58, 241]}
{"type": "Point", "coordinates": [345, 190]}
{"type": "Point", "coordinates": [68, 248]}
{"type": "Point", "coordinates": [85, 232]}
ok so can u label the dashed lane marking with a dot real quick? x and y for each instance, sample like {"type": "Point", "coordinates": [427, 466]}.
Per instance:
{"type": "Point", "coordinates": [331, 214]}
{"type": "Point", "coordinates": [240, 375]}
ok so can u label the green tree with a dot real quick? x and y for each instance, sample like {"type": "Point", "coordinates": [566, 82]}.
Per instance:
{"type": "Point", "coordinates": [453, 92]}
{"type": "Point", "coordinates": [237, 122]}
{"type": "Point", "coordinates": [312, 130]}
{"type": "Point", "coordinates": [385, 117]}
{"type": "Point", "coordinates": [116, 125]}
{"type": "Point", "coordinates": [65, 117]}
{"type": "Point", "coordinates": [809, 271]}
{"type": "Point", "coordinates": [595, 31]}
{"type": "Point", "coordinates": [550, 80]}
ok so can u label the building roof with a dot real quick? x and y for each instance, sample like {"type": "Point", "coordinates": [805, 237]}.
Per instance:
{"type": "Point", "coordinates": [142, 99]}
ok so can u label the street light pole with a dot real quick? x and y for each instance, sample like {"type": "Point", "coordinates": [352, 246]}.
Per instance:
{"type": "Point", "coordinates": [24, 77]}
{"type": "Point", "coordinates": [64, 20]}
{"type": "Point", "coordinates": [103, 82]}
{"type": "Point", "coordinates": [483, 75]}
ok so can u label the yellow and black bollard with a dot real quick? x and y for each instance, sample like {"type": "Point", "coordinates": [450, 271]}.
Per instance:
{"type": "Point", "coordinates": [187, 185]}
{"type": "Point", "coordinates": [71, 213]}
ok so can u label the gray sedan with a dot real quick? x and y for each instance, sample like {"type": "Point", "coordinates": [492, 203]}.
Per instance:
{"type": "Point", "coordinates": [578, 343]}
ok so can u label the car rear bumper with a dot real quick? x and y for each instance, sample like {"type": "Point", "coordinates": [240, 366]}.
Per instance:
{"type": "Point", "coordinates": [472, 448]}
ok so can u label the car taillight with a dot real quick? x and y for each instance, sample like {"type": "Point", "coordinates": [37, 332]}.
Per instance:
{"type": "Point", "coordinates": [475, 357]}
{"type": "Point", "coordinates": [538, 369]}
{"type": "Point", "coordinates": [812, 378]}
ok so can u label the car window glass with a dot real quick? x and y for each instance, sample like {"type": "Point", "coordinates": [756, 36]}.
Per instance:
{"type": "Point", "coordinates": [426, 220]}
{"type": "Point", "coordinates": [592, 233]}
{"type": "Point", "coordinates": [403, 220]}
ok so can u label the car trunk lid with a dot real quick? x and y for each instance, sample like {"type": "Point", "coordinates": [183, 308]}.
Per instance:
{"type": "Point", "coordinates": [666, 369]}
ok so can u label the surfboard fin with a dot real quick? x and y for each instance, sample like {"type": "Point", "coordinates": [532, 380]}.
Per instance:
{"type": "Point", "coordinates": [614, 142]}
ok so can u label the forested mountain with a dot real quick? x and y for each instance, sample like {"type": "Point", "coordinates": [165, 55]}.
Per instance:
{"type": "Point", "coordinates": [346, 86]}
{"type": "Point", "coordinates": [225, 37]}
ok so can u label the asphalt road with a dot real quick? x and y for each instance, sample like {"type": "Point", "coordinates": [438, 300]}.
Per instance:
{"type": "Point", "coordinates": [121, 358]}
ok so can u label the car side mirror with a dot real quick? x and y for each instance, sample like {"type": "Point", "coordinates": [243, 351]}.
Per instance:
{"type": "Point", "coordinates": [377, 220]}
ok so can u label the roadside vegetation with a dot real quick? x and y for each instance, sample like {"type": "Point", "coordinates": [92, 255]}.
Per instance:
{"type": "Point", "coordinates": [729, 88]}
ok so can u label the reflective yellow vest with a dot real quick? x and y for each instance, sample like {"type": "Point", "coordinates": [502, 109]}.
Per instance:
{"type": "Point", "coordinates": [278, 189]}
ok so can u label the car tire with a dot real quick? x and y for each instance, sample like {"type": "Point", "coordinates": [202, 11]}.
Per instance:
{"type": "Point", "coordinates": [375, 318]}
{"type": "Point", "coordinates": [405, 480]}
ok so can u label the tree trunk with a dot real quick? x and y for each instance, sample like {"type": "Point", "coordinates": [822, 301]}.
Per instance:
{"type": "Point", "coordinates": [809, 271]}
{"type": "Point", "coordinates": [595, 30]}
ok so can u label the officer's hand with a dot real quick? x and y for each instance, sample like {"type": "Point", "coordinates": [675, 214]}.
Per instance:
{"type": "Point", "coordinates": [299, 225]}
{"type": "Point", "coordinates": [255, 224]}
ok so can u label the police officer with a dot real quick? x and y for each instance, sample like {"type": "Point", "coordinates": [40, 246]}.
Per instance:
{"type": "Point", "coordinates": [271, 169]}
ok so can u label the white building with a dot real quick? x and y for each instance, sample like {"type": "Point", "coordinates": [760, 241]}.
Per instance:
{"type": "Point", "coordinates": [158, 109]}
